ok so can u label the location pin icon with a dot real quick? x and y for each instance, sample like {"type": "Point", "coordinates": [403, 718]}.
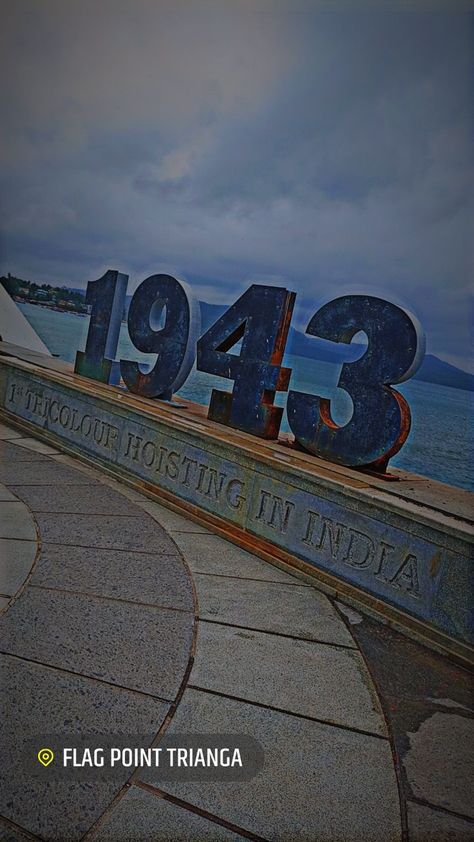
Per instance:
{"type": "Point", "coordinates": [45, 756]}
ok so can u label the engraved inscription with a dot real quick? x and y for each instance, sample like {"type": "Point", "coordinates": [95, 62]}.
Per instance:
{"type": "Point", "coordinates": [199, 477]}
{"type": "Point", "coordinates": [339, 542]}
{"type": "Point", "coordinates": [367, 551]}
{"type": "Point", "coordinates": [57, 413]}
{"type": "Point", "coordinates": [274, 511]}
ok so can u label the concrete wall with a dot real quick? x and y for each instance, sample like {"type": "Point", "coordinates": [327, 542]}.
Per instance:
{"type": "Point", "coordinates": [403, 548]}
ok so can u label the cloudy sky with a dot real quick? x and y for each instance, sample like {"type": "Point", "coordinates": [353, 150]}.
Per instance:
{"type": "Point", "coordinates": [324, 146]}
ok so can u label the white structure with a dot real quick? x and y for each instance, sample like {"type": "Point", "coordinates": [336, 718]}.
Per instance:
{"type": "Point", "coordinates": [15, 328]}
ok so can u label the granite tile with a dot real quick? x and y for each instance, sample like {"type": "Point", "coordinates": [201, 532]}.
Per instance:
{"type": "Point", "coordinates": [37, 700]}
{"type": "Point", "coordinates": [428, 825]}
{"type": "Point", "coordinates": [318, 782]}
{"type": "Point", "coordinates": [302, 677]}
{"type": "Point", "coordinates": [10, 452]}
{"type": "Point", "coordinates": [51, 498]}
{"type": "Point", "coordinates": [10, 834]}
{"type": "Point", "coordinates": [37, 446]}
{"type": "Point", "coordinates": [171, 521]}
{"type": "Point", "coordinates": [16, 558]}
{"type": "Point", "coordinates": [134, 646]}
{"type": "Point", "coordinates": [120, 532]}
{"type": "Point", "coordinates": [46, 472]}
{"type": "Point", "coordinates": [141, 816]}
{"type": "Point", "coordinates": [125, 489]}
{"type": "Point", "coordinates": [155, 579]}
{"type": "Point", "coordinates": [212, 554]}
{"type": "Point", "coordinates": [7, 432]}
{"type": "Point", "coordinates": [16, 521]}
{"type": "Point", "coordinates": [268, 606]}
{"type": "Point", "coordinates": [82, 467]}
{"type": "Point", "coordinates": [6, 495]}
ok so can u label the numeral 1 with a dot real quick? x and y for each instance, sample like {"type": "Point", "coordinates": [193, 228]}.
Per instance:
{"type": "Point", "coordinates": [106, 297]}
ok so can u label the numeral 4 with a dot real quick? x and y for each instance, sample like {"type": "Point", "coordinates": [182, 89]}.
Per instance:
{"type": "Point", "coordinates": [261, 319]}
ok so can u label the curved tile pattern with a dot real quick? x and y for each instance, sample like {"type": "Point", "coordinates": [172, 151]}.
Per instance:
{"type": "Point", "coordinates": [18, 545]}
{"type": "Point", "coordinates": [98, 641]}
{"type": "Point", "coordinates": [102, 639]}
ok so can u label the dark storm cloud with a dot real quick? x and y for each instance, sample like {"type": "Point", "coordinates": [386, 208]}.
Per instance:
{"type": "Point", "coordinates": [322, 145]}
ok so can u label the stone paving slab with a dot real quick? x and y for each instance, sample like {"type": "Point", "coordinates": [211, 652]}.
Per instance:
{"type": "Point", "coordinates": [80, 467]}
{"type": "Point", "coordinates": [11, 453]}
{"type": "Point", "coordinates": [321, 782]}
{"type": "Point", "coordinates": [318, 782]}
{"type": "Point", "coordinates": [51, 498]}
{"type": "Point", "coordinates": [134, 646]}
{"type": "Point", "coordinates": [155, 579]}
{"type": "Point", "coordinates": [16, 522]}
{"type": "Point", "coordinates": [7, 432]}
{"type": "Point", "coordinates": [4, 601]}
{"type": "Point", "coordinates": [16, 559]}
{"type": "Point", "coordinates": [37, 446]}
{"type": "Point", "coordinates": [42, 473]}
{"type": "Point", "coordinates": [119, 532]}
{"type": "Point", "coordinates": [62, 810]}
{"type": "Point", "coordinates": [269, 606]}
{"type": "Point", "coordinates": [211, 554]}
{"type": "Point", "coordinates": [143, 816]}
{"type": "Point", "coordinates": [307, 678]}
{"type": "Point", "coordinates": [171, 521]}
{"type": "Point", "coordinates": [6, 495]}
{"type": "Point", "coordinates": [428, 825]}
{"type": "Point", "coordinates": [9, 834]}
{"type": "Point", "coordinates": [125, 489]}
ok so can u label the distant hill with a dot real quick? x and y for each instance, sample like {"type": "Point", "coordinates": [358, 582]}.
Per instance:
{"type": "Point", "coordinates": [432, 369]}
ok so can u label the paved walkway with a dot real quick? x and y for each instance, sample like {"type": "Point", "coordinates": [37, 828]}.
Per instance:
{"type": "Point", "coordinates": [123, 618]}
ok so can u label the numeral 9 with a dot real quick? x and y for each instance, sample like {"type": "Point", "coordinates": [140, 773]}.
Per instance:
{"type": "Point", "coordinates": [174, 343]}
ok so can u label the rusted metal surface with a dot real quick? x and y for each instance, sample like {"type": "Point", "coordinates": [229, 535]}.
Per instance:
{"type": "Point", "coordinates": [261, 319]}
{"type": "Point", "coordinates": [174, 342]}
{"type": "Point", "coordinates": [380, 422]}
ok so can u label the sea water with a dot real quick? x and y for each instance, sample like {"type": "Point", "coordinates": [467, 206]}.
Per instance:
{"type": "Point", "coordinates": [441, 441]}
